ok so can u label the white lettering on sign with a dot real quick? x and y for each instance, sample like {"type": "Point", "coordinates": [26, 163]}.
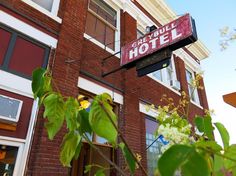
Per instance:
{"type": "Point", "coordinates": [157, 39]}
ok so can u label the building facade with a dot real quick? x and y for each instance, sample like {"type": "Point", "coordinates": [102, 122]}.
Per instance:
{"type": "Point", "coordinates": [80, 40]}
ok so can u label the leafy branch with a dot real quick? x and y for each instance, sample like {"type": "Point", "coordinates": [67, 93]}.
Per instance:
{"type": "Point", "coordinates": [100, 120]}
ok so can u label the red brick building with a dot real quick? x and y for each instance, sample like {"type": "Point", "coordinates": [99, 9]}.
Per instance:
{"type": "Point", "coordinates": [73, 38]}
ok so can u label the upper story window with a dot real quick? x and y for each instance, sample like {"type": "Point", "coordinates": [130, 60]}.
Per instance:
{"type": "Point", "coordinates": [102, 24]}
{"type": "Point", "coordinates": [193, 93]}
{"type": "Point", "coordinates": [48, 7]}
{"type": "Point", "coordinates": [19, 54]}
{"type": "Point", "coordinates": [166, 75]}
{"type": "Point", "coordinates": [139, 33]}
{"type": "Point", "coordinates": [47, 4]}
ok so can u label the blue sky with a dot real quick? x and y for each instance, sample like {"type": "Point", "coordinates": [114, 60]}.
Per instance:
{"type": "Point", "coordinates": [220, 68]}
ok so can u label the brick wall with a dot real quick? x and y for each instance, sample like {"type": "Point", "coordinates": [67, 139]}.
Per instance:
{"type": "Point", "coordinates": [86, 60]}
{"type": "Point", "coordinates": [44, 155]}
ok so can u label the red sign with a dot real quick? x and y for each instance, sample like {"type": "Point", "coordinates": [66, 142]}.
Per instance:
{"type": "Point", "coordinates": [168, 35]}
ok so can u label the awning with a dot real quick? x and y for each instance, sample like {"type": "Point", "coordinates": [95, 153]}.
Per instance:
{"type": "Point", "coordinates": [230, 99]}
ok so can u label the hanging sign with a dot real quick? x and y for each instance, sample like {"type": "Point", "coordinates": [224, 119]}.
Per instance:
{"type": "Point", "coordinates": [173, 35]}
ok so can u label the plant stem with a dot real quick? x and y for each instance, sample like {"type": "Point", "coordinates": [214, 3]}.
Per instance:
{"type": "Point", "coordinates": [219, 154]}
{"type": "Point", "coordinates": [104, 156]}
{"type": "Point", "coordinates": [123, 139]}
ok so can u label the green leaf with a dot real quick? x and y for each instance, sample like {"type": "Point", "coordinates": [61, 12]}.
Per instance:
{"type": "Point", "coordinates": [211, 145]}
{"type": "Point", "coordinates": [78, 149]}
{"type": "Point", "coordinates": [54, 111]}
{"type": "Point", "coordinates": [234, 171]}
{"type": "Point", "coordinates": [87, 168]}
{"type": "Point", "coordinates": [83, 118]}
{"type": "Point", "coordinates": [218, 165]}
{"type": "Point", "coordinates": [71, 113]}
{"type": "Point", "coordinates": [223, 133]}
{"type": "Point", "coordinates": [195, 165]}
{"type": "Point", "coordinates": [69, 145]}
{"type": "Point", "coordinates": [128, 157]}
{"type": "Point", "coordinates": [230, 152]}
{"type": "Point", "coordinates": [37, 81]}
{"type": "Point", "coordinates": [184, 157]}
{"type": "Point", "coordinates": [100, 172]}
{"type": "Point", "coordinates": [204, 125]}
{"type": "Point", "coordinates": [173, 158]}
{"type": "Point", "coordinates": [99, 119]}
{"type": "Point", "coordinates": [41, 84]}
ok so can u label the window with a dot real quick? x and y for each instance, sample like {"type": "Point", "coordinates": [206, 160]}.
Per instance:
{"type": "Point", "coordinates": [19, 54]}
{"type": "Point", "coordinates": [46, 6]}
{"type": "Point", "coordinates": [139, 33]}
{"type": "Point", "coordinates": [8, 156]}
{"type": "Point", "coordinates": [191, 89]}
{"type": "Point", "coordinates": [11, 154]}
{"type": "Point", "coordinates": [90, 156]}
{"type": "Point", "coordinates": [102, 23]}
{"type": "Point", "coordinates": [152, 144]}
{"type": "Point", "coordinates": [165, 75]}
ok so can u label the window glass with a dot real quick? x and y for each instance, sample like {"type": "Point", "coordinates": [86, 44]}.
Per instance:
{"type": "Point", "coordinates": [19, 54]}
{"type": "Point", "coordinates": [46, 4]}
{"type": "Point", "coordinates": [191, 90]}
{"type": "Point", "coordinates": [5, 37]}
{"type": "Point", "coordinates": [158, 75]}
{"type": "Point", "coordinates": [101, 23]}
{"type": "Point", "coordinates": [139, 33]}
{"type": "Point", "coordinates": [26, 56]}
{"type": "Point", "coordinates": [153, 145]}
{"type": "Point", "coordinates": [8, 156]}
{"type": "Point", "coordinates": [165, 75]}
{"type": "Point", "coordinates": [104, 11]}
{"type": "Point", "coordinates": [169, 72]}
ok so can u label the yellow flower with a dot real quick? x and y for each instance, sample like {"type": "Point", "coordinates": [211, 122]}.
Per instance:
{"type": "Point", "coordinates": [84, 104]}
{"type": "Point", "coordinates": [138, 157]}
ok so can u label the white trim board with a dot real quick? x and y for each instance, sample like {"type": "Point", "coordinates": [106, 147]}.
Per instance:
{"type": "Point", "coordinates": [52, 14]}
{"type": "Point", "coordinates": [98, 89]}
{"type": "Point", "coordinates": [16, 84]}
{"type": "Point", "coordinates": [25, 28]}
{"type": "Point", "coordinates": [143, 108]}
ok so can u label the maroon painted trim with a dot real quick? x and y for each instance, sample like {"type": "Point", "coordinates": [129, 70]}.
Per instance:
{"type": "Point", "coordinates": [24, 119]}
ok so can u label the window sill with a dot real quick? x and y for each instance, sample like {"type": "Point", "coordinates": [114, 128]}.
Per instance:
{"type": "Point", "coordinates": [15, 84]}
{"type": "Point", "coordinates": [164, 84]}
{"type": "Point", "coordinates": [88, 37]}
{"type": "Point", "coordinates": [44, 11]}
{"type": "Point", "coordinates": [196, 104]}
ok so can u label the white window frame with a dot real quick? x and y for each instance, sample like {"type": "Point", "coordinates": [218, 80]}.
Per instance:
{"type": "Point", "coordinates": [52, 14]}
{"type": "Point", "coordinates": [17, 168]}
{"type": "Point", "coordinates": [195, 93]}
{"type": "Point", "coordinates": [117, 31]}
{"type": "Point", "coordinates": [8, 119]}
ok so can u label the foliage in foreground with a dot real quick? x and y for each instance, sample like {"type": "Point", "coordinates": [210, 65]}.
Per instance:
{"type": "Point", "coordinates": [192, 154]}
